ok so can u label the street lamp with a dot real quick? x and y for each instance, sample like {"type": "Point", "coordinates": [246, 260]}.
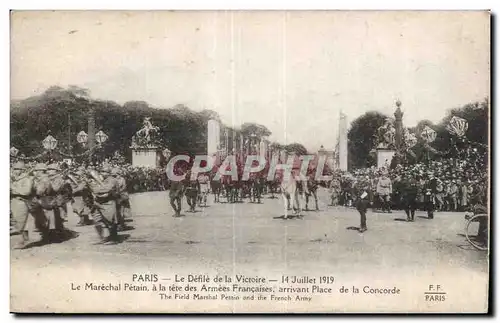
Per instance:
{"type": "Point", "coordinates": [82, 138]}
{"type": "Point", "coordinates": [101, 137]}
{"type": "Point", "coordinates": [49, 143]}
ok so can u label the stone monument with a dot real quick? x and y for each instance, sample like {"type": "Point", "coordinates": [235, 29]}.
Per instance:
{"type": "Point", "coordinates": [213, 137]}
{"type": "Point", "coordinates": [146, 147]}
{"type": "Point", "coordinates": [342, 142]}
{"type": "Point", "coordinates": [389, 138]}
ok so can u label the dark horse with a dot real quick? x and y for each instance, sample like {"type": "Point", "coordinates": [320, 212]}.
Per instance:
{"type": "Point", "coordinates": [216, 187]}
{"type": "Point", "coordinates": [232, 188]}
{"type": "Point", "coordinates": [257, 185]}
{"type": "Point", "coordinates": [312, 190]}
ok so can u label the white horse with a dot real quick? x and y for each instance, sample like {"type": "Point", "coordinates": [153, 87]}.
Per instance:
{"type": "Point", "coordinates": [293, 193]}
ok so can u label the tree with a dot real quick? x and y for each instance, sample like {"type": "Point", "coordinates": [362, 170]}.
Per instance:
{"type": "Point", "coordinates": [296, 148]}
{"type": "Point", "coordinates": [361, 139]}
{"type": "Point", "coordinates": [259, 130]}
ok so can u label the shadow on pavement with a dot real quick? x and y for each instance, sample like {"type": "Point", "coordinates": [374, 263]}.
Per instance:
{"type": "Point", "coordinates": [54, 237]}
{"type": "Point", "coordinates": [290, 217]}
{"type": "Point", "coordinates": [192, 242]}
{"type": "Point", "coordinates": [127, 228]}
{"type": "Point", "coordinates": [356, 229]}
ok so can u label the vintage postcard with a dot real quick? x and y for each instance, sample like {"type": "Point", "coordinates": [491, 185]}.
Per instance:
{"type": "Point", "coordinates": [250, 161]}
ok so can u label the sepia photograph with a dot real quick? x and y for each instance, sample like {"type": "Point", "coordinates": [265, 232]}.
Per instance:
{"type": "Point", "coordinates": [250, 161]}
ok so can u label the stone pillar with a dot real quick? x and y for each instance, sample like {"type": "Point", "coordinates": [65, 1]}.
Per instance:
{"type": "Point", "coordinates": [91, 128]}
{"type": "Point", "coordinates": [213, 137]}
{"type": "Point", "coordinates": [263, 148]}
{"type": "Point", "coordinates": [343, 142]}
{"type": "Point", "coordinates": [398, 125]}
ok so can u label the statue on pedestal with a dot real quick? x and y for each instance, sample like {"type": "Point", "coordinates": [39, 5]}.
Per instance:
{"type": "Point", "coordinates": [146, 146]}
{"type": "Point", "coordinates": [386, 135]}
{"type": "Point", "coordinates": [147, 136]}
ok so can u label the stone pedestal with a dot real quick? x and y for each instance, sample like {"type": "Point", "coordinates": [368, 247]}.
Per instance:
{"type": "Point", "coordinates": [384, 157]}
{"type": "Point", "coordinates": [146, 157]}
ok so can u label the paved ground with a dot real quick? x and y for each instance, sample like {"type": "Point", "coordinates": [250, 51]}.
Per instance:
{"type": "Point", "coordinates": [251, 239]}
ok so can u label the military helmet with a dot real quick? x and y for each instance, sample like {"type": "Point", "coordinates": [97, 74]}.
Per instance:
{"type": "Point", "coordinates": [53, 166]}
{"type": "Point", "coordinates": [40, 167]}
{"type": "Point", "coordinates": [115, 171]}
{"type": "Point", "coordinates": [106, 170]}
{"type": "Point", "coordinates": [19, 165]}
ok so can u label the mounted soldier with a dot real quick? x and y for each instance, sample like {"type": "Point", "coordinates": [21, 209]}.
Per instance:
{"type": "Point", "coordinates": [312, 189]}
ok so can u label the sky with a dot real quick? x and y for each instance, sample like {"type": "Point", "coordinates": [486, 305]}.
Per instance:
{"type": "Point", "coordinates": [291, 71]}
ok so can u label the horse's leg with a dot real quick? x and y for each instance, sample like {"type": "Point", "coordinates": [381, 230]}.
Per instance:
{"type": "Point", "coordinates": [297, 199]}
{"type": "Point", "coordinates": [315, 193]}
{"type": "Point", "coordinates": [285, 204]}
{"type": "Point", "coordinates": [174, 207]}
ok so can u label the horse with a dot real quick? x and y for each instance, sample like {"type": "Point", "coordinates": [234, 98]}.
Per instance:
{"type": "Point", "coordinates": [216, 188]}
{"type": "Point", "coordinates": [232, 189]}
{"type": "Point", "coordinates": [256, 186]}
{"type": "Point", "coordinates": [312, 189]}
{"type": "Point", "coordinates": [204, 182]}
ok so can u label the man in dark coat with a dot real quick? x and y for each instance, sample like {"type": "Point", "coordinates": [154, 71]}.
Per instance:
{"type": "Point", "coordinates": [409, 192]}
{"type": "Point", "coordinates": [362, 205]}
{"type": "Point", "coordinates": [430, 191]}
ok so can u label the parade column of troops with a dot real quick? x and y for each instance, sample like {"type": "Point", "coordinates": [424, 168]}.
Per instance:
{"type": "Point", "coordinates": [99, 195]}
{"type": "Point", "coordinates": [103, 200]}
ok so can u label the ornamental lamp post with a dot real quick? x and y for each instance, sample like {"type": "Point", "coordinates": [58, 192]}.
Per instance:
{"type": "Point", "coordinates": [101, 137]}
{"type": "Point", "coordinates": [82, 138]}
{"type": "Point", "coordinates": [49, 144]}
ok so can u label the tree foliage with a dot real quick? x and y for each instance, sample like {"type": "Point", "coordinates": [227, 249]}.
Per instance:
{"type": "Point", "coordinates": [181, 129]}
{"type": "Point", "coordinates": [297, 148]}
{"type": "Point", "coordinates": [361, 139]}
{"type": "Point", "coordinates": [361, 135]}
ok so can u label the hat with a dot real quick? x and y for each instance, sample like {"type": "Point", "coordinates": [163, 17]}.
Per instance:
{"type": "Point", "coordinates": [40, 167]}
{"type": "Point", "coordinates": [53, 167]}
{"type": "Point", "coordinates": [106, 170]}
{"type": "Point", "coordinates": [19, 165]}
